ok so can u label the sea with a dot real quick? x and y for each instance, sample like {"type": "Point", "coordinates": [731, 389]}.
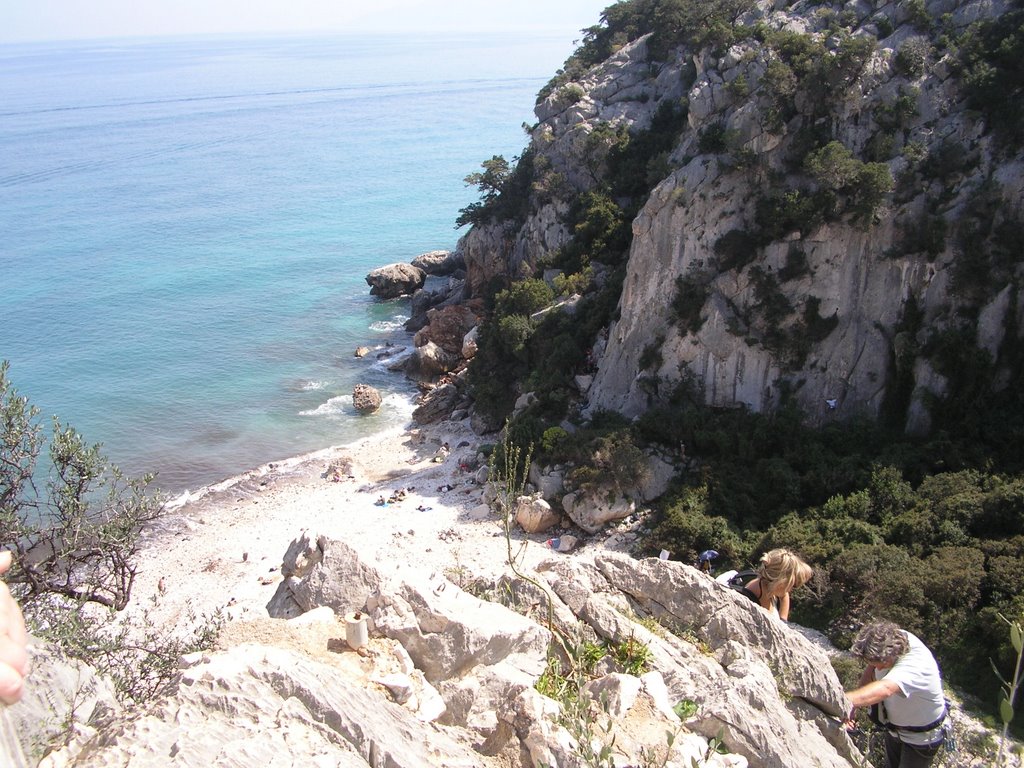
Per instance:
{"type": "Point", "coordinates": [186, 226]}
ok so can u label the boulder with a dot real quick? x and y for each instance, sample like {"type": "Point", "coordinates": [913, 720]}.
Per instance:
{"type": "Point", "coordinates": [395, 280]}
{"type": "Point", "coordinates": [592, 511]}
{"type": "Point", "coordinates": [339, 580]}
{"type": "Point", "coordinates": [440, 262]}
{"type": "Point", "coordinates": [549, 482]}
{"type": "Point", "coordinates": [535, 515]}
{"type": "Point", "coordinates": [361, 351]}
{"type": "Point", "coordinates": [437, 404]}
{"type": "Point", "coordinates": [430, 360]}
{"type": "Point", "coordinates": [659, 474]}
{"type": "Point", "coordinates": [365, 398]}
{"type": "Point", "coordinates": [447, 327]}
{"type": "Point", "coordinates": [469, 343]}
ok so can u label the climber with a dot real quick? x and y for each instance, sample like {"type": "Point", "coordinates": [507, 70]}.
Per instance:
{"type": "Point", "coordinates": [779, 573]}
{"type": "Point", "coordinates": [902, 678]}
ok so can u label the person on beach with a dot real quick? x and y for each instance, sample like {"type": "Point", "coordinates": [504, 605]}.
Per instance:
{"type": "Point", "coordinates": [13, 641]}
{"type": "Point", "coordinates": [779, 573]}
{"type": "Point", "coordinates": [903, 686]}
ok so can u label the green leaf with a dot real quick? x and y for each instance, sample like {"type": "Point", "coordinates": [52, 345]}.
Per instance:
{"type": "Point", "coordinates": [1016, 637]}
{"type": "Point", "coordinates": [1006, 711]}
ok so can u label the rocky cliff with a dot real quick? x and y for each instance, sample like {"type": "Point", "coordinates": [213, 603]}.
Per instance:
{"type": "Point", "coordinates": [838, 200]}
{"type": "Point", "coordinates": [446, 678]}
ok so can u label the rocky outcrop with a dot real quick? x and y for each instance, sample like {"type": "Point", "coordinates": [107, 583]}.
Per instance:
{"type": "Point", "coordinates": [441, 263]}
{"type": "Point", "coordinates": [67, 701]}
{"type": "Point", "coordinates": [833, 311]}
{"type": "Point", "coordinates": [261, 705]}
{"type": "Point", "coordinates": [767, 693]}
{"type": "Point", "coordinates": [395, 280]}
{"type": "Point", "coordinates": [365, 398]}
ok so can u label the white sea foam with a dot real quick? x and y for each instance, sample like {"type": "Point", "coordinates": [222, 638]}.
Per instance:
{"type": "Point", "coordinates": [396, 323]}
{"type": "Point", "coordinates": [336, 406]}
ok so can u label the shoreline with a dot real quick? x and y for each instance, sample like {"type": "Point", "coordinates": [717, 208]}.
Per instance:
{"type": "Point", "coordinates": [223, 549]}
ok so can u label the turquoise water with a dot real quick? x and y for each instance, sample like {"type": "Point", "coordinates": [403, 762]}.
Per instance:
{"type": "Point", "coordinates": [187, 225]}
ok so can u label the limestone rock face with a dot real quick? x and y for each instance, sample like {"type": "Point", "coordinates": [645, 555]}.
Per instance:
{"type": "Point", "coordinates": [260, 705]}
{"type": "Point", "coordinates": [845, 286]}
{"type": "Point", "coordinates": [437, 652]}
{"type": "Point", "coordinates": [770, 693]}
{"type": "Point", "coordinates": [365, 398]}
{"type": "Point", "coordinates": [61, 689]}
{"type": "Point", "coordinates": [395, 280]}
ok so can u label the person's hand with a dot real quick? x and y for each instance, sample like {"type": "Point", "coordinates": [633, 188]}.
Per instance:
{"type": "Point", "coordinates": [13, 641]}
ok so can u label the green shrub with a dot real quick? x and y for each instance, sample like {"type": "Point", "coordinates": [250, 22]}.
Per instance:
{"type": "Point", "coordinates": [884, 26]}
{"type": "Point", "coordinates": [570, 94]}
{"type": "Point", "coordinates": [738, 87]}
{"type": "Point", "coordinates": [691, 294]}
{"type": "Point", "coordinates": [716, 139]}
{"type": "Point", "coordinates": [796, 265]}
{"type": "Point", "coordinates": [523, 298]}
{"type": "Point", "coordinates": [898, 115]}
{"type": "Point", "coordinates": [912, 56]}
{"type": "Point", "coordinates": [989, 60]}
{"type": "Point", "coordinates": [683, 527]}
{"type": "Point", "coordinates": [781, 212]}
{"type": "Point", "coordinates": [735, 249]}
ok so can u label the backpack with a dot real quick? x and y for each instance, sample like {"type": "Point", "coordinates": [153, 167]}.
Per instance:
{"type": "Point", "coordinates": [739, 580]}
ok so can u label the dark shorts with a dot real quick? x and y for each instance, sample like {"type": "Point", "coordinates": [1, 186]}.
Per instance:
{"type": "Point", "coordinates": [900, 755]}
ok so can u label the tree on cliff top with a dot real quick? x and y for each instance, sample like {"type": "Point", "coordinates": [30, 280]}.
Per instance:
{"type": "Point", "coordinates": [74, 528]}
{"type": "Point", "coordinates": [77, 537]}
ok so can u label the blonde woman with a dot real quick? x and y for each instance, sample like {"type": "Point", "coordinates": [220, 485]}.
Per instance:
{"type": "Point", "coordinates": [779, 573]}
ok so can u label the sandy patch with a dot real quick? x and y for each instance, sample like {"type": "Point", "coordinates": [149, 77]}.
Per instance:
{"type": "Point", "coordinates": [224, 550]}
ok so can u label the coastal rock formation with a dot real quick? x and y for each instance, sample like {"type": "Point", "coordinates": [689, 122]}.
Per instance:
{"type": "Point", "coordinates": [767, 693]}
{"type": "Point", "coordinates": [440, 262]}
{"type": "Point", "coordinates": [438, 403]}
{"type": "Point", "coordinates": [447, 327]}
{"type": "Point", "coordinates": [395, 280]}
{"type": "Point", "coordinates": [735, 281]}
{"type": "Point", "coordinates": [365, 398]}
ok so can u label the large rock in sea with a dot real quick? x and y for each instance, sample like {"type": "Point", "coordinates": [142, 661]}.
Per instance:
{"type": "Point", "coordinates": [395, 280]}
{"type": "Point", "coordinates": [365, 398]}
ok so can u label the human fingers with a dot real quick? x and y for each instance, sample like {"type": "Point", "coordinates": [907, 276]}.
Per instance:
{"type": "Point", "coordinates": [6, 558]}
{"type": "Point", "coordinates": [12, 684]}
{"type": "Point", "coordinates": [12, 622]}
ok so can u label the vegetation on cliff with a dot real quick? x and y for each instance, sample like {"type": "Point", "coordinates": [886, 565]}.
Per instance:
{"type": "Point", "coordinates": [928, 529]}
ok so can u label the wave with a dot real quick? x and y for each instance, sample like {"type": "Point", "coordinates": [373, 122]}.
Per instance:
{"type": "Point", "coordinates": [396, 323]}
{"type": "Point", "coordinates": [336, 406]}
{"type": "Point", "coordinates": [307, 385]}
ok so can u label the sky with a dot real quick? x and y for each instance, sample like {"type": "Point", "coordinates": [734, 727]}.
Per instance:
{"type": "Point", "coordinates": [37, 20]}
